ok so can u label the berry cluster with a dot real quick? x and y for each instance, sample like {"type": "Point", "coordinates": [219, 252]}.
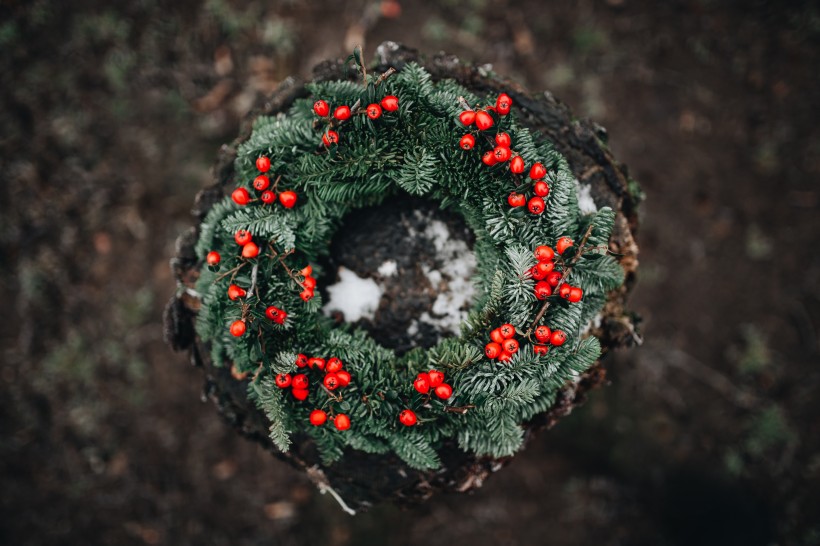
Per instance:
{"type": "Point", "coordinates": [244, 239]}
{"type": "Point", "coordinates": [335, 377]}
{"type": "Point", "coordinates": [546, 336]}
{"type": "Point", "coordinates": [502, 345]}
{"type": "Point", "coordinates": [308, 283]}
{"type": "Point", "coordinates": [321, 108]}
{"type": "Point", "coordinates": [540, 188]}
{"type": "Point", "coordinates": [261, 183]}
{"type": "Point", "coordinates": [548, 278]}
{"type": "Point", "coordinates": [434, 380]}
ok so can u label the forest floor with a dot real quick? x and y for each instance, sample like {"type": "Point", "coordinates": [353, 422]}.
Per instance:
{"type": "Point", "coordinates": [110, 118]}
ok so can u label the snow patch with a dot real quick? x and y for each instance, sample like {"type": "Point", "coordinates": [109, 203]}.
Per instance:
{"type": "Point", "coordinates": [585, 201]}
{"type": "Point", "coordinates": [388, 268]}
{"type": "Point", "coordinates": [594, 323]}
{"type": "Point", "coordinates": [354, 296]}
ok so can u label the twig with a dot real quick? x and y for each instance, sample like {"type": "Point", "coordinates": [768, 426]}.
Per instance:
{"type": "Point", "coordinates": [318, 477]}
{"type": "Point", "coordinates": [464, 104]}
{"type": "Point", "coordinates": [386, 74]}
{"type": "Point", "coordinates": [254, 274]}
{"type": "Point", "coordinates": [460, 410]}
{"type": "Point", "coordinates": [233, 271]}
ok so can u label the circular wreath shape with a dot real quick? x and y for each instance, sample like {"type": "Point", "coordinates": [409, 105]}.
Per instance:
{"type": "Point", "coordinates": [329, 394]}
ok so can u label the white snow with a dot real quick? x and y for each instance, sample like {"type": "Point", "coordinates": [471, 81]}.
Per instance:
{"type": "Point", "coordinates": [354, 296]}
{"type": "Point", "coordinates": [388, 268]}
{"type": "Point", "coordinates": [585, 201]}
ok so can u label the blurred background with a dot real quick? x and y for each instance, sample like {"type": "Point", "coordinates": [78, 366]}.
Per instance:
{"type": "Point", "coordinates": [110, 117]}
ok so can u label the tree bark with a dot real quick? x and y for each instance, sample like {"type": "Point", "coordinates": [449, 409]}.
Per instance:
{"type": "Point", "coordinates": [362, 479]}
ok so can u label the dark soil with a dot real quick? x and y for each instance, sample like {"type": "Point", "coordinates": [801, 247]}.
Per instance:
{"type": "Point", "coordinates": [708, 434]}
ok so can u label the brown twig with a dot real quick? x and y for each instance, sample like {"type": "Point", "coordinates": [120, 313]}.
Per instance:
{"type": "Point", "coordinates": [461, 410]}
{"type": "Point", "coordinates": [384, 75]}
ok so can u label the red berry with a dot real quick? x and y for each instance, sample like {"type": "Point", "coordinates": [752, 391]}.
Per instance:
{"type": "Point", "coordinates": [306, 295]}
{"type": "Point", "coordinates": [497, 336]}
{"type": "Point", "coordinates": [213, 257]}
{"type": "Point", "coordinates": [263, 164]}
{"type": "Point", "coordinates": [238, 328]}
{"type": "Point", "coordinates": [301, 360]}
{"type": "Point", "coordinates": [502, 153]}
{"type": "Point", "coordinates": [503, 139]}
{"type": "Point", "coordinates": [342, 421]}
{"type": "Point", "coordinates": [516, 199]}
{"type": "Point", "coordinates": [306, 271]}
{"type": "Point", "coordinates": [316, 362]}
{"type": "Point", "coordinates": [575, 294]}
{"type": "Point", "coordinates": [343, 377]}
{"type": "Point", "coordinates": [333, 365]}
{"type": "Point", "coordinates": [408, 418]}
{"type": "Point", "coordinates": [538, 171]}
{"type": "Point", "coordinates": [444, 391]}
{"type": "Point", "coordinates": [390, 103]}
{"type": "Point", "coordinates": [283, 380]}
{"type": "Point", "coordinates": [321, 108]}
{"type": "Point", "coordinates": [300, 381]}
{"type": "Point", "coordinates": [554, 278]}
{"type": "Point", "coordinates": [331, 382]}
{"type": "Point", "coordinates": [374, 111]}
{"type": "Point", "coordinates": [261, 182]}
{"type": "Point", "coordinates": [300, 394]}
{"type": "Point", "coordinates": [268, 197]}
{"type": "Point", "coordinates": [435, 377]}
{"type": "Point", "coordinates": [541, 188]}
{"type": "Point", "coordinates": [563, 244]}
{"type": "Point", "coordinates": [540, 349]}
{"type": "Point", "coordinates": [483, 120]}
{"type": "Point", "coordinates": [250, 250]}
{"type": "Point", "coordinates": [422, 383]}
{"type": "Point", "coordinates": [504, 356]}
{"type": "Point", "coordinates": [241, 196]}
{"type": "Point", "coordinates": [542, 269]}
{"type": "Point", "coordinates": [288, 199]}
{"type": "Point", "coordinates": [558, 338]}
{"type": "Point", "coordinates": [507, 330]}
{"type": "Point", "coordinates": [275, 314]}
{"type": "Point", "coordinates": [467, 117]}
{"type": "Point", "coordinates": [503, 104]}
{"type": "Point", "coordinates": [542, 333]}
{"type": "Point", "coordinates": [242, 237]}
{"type": "Point", "coordinates": [309, 283]}
{"type": "Point", "coordinates": [536, 273]}
{"type": "Point", "coordinates": [492, 350]}
{"type": "Point", "coordinates": [342, 113]}
{"type": "Point", "coordinates": [536, 205]}
{"type": "Point", "coordinates": [488, 158]}
{"type": "Point", "coordinates": [235, 292]}
{"type": "Point", "coordinates": [543, 253]}
{"type": "Point", "coordinates": [467, 142]}
{"type": "Point", "coordinates": [517, 165]}
{"type": "Point", "coordinates": [511, 346]}
{"type": "Point", "coordinates": [318, 417]}
{"type": "Point", "coordinates": [542, 290]}
{"type": "Point", "coordinates": [564, 290]}
{"type": "Point", "coordinates": [329, 138]}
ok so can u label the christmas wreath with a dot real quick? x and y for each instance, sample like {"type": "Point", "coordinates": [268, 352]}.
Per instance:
{"type": "Point", "coordinates": [543, 277]}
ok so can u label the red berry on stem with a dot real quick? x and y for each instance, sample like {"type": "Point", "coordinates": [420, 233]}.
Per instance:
{"type": "Point", "coordinates": [538, 171]}
{"type": "Point", "coordinates": [263, 164]}
{"type": "Point", "coordinates": [301, 360]}
{"type": "Point", "coordinates": [261, 182]}
{"type": "Point", "coordinates": [501, 153]}
{"type": "Point", "coordinates": [235, 292]}
{"type": "Point", "coordinates": [390, 103]}
{"type": "Point", "coordinates": [516, 199]}
{"type": "Point", "coordinates": [544, 253]}
{"type": "Point", "coordinates": [467, 117]}
{"type": "Point", "coordinates": [213, 258]}
{"type": "Point", "coordinates": [309, 283]}
{"type": "Point", "coordinates": [564, 291]}
{"type": "Point", "coordinates": [435, 377]}
{"type": "Point", "coordinates": [283, 380]}
{"type": "Point", "coordinates": [497, 336]}
{"type": "Point", "coordinates": [467, 142]}
{"type": "Point", "coordinates": [306, 271]}
{"type": "Point", "coordinates": [483, 120]}
{"type": "Point", "coordinates": [318, 417]}
{"type": "Point", "coordinates": [575, 294]}
{"type": "Point", "coordinates": [544, 269]}
{"type": "Point", "coordinates": [329, 138]}
{"type": "Point", "coordinates": [503, 139]}
{"type": "Point", "coordinates": [503, 104]}
{"type": "Point", "coordinates": [554, 278]}
{"type": "Point", "coordinates": [542, 290]}
{"type": "Point", "coordinates": [374, 111]}
{"type": "Point", "coordinates": [536, 205]}
{"type": "Point", "coordinates": [241, 196]}
{"type": "Point", "coordinates": [321, 108]}
{"type": "Point", "coordinates": [422, 383]}
{"type": "Point", "coordinates": [300, 394]}
{"type": "Point", "coordinates": [489, 158]}
{"type": "Point", "coordinates": [316, 362]}
{"type": "Point", "coordinates": [542, 333]}
{"type": "Point", "coordinates": [540, 349]}
{"type": "Point", "coordinates": [444, 391]}
{"type": "Point", "coordinates": [238, 328]}
{"type": "Point", "coordinates": [331, 382]}
{"type": "Point", "coordinates": [536, 273]}
{"type": "Point", "coordinates": [408, 418]}
{"type": "Point", "coordinates": [517, 165]}
{"type": "Point", "coordinates": [558, 338]}
{"type": "Point", "coordinates": [268, 197]}
{"type": "Point", "coordinates": [343, 377]}
{"type": "Point", "coordinates": [242, 237]}
{"type": "Point", "coordinates": [492, 350]}
{"type": "Point", "coordinates": [300, 381]}
{"type": "Point", "coordinates": [306, 295]}
{"type": "Point", "coordinates": [541, 188]}
{"type": "Point", "coordinates": [288, 199]}
{"type": "Point", "coordinates": [563, 244]}
{"type": "Point", "coordinates": [504, 356]}
{"type": "Point", "coordinates": [250, 250]}
{"type": "Point", "coordinates": [333, 365]}
{"type": "Point", "coordinates": [342, 421]}
{"type": "Point", "coordinates": [342, 113]}
{"type": "Point", "coordinates": [511, 346]}
{"type": "Point", "coordinates": [507, 330]}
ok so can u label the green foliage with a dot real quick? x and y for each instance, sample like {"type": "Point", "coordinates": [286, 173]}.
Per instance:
{"type": "Point", "coordinates": [411, 151]}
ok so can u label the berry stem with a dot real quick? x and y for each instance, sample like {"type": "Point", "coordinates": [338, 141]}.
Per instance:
{"type": "Point", "coordinates": [461, 410]}
{"type": "Point", "coordinates": [233, 272]}
{"type": "Point", "coordinates": [386, 74]}
{"type": "Point", "coordinates": [464, 104]}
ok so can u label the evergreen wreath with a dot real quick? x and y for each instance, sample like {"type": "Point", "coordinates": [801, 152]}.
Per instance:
{"type": "Point", "coordinates": [544, 269]}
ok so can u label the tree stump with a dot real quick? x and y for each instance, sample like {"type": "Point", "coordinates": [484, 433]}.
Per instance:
{"type": "Point", "coordinates": [361, 479]}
